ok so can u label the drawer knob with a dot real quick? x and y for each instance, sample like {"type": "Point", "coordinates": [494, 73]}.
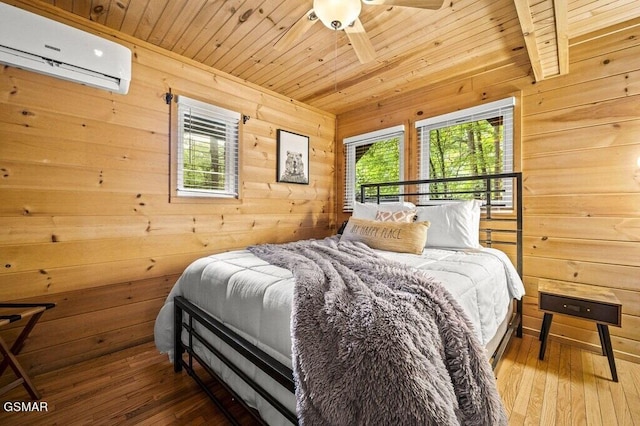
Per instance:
{"type": "Point", "coordinates": [574, 308]}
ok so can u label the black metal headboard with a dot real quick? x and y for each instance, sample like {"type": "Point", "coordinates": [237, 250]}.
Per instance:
{"type": "Point", "coordinates": [500, 194]}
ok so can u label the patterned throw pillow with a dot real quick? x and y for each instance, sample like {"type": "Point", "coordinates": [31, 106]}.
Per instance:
{"type": "Point", "coordinates": [403, 216]}
{"type": "Point", "coordinates": [368, 210]}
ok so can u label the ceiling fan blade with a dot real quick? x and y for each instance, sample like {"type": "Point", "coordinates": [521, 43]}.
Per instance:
{"type": "Point", "coordinates": [418, 4]}
{"type": "Point", "coordinates": [296, 31]}
{"type": "Point", "coordinates": [360, 42]}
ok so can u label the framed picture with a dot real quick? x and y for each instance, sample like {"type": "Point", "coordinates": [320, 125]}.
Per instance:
{"type": "Point", "coordinates": [293, 158]}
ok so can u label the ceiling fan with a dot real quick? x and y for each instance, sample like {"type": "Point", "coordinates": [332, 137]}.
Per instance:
{"type": "Point", "coordinates": [343, 15]}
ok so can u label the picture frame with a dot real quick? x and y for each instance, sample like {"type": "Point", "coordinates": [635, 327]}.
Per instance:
{"type": "Point", "coordinates": [292, 158]}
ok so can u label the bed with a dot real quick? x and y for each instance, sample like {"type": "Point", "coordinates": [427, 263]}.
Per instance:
{"type": "Point", "coordinates": [232, 312]}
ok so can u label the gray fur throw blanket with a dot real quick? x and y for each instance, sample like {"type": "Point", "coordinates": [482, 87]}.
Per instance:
{"type": "Point", "coordinates": [376, 342]}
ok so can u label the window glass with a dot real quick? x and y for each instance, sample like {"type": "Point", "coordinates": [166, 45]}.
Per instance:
{"type": "Point", "coordinates": [373, 158]}
{"type": "Point", "coordinates": [472, 142]}
{"type": "Point", "coordinates": [207, 149]}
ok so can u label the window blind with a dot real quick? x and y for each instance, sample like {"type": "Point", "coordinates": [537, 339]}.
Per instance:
{"type": "Point", "coordinates": [207, 149]}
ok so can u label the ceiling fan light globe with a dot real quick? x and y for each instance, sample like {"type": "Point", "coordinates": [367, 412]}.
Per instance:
{"type": "Point", "coordinates": [337, 14]}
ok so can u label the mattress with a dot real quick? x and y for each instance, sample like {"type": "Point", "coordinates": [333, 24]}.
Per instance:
{"type": "Point", "coordinates": [254, 299]}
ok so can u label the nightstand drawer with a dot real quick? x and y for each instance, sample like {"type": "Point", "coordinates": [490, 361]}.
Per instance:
{"type": "Point", "coordinates": [600, 312]}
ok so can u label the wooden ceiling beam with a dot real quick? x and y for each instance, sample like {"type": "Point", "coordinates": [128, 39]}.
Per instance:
{"type": "Point", "coordinates": [528, 32]}
{"type": "Point", "coordinates": [562, 35]}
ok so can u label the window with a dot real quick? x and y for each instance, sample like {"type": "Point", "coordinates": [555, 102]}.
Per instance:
{"type": "Point", "coordinates": [207, 151]}
{"type": "Point", "coordinates": [471, 142]}
{"type": "Point", "coordinates": [373, 158]}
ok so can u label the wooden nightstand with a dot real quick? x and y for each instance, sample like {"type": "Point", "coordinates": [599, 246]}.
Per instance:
{"type": "Point", "coordinates": [595, 304]}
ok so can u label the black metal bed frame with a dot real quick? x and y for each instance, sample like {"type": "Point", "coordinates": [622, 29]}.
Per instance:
{"type": "Point", "coordinates": [487, 189]}
{"type": "Point", "coordinates": [187, 313]}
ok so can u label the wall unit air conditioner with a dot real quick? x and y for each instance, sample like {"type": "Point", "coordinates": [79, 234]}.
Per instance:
{"type": "Point", "coordinates": [35, 43]}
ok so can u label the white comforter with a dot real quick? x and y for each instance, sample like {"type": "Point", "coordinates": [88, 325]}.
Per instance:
{"type": "Point", "coordinates": [254, 297]}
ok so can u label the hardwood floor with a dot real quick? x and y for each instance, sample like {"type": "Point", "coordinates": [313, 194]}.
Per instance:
{"type": "Point", "coordinates": [570, 387]}
{"type": "Point", "coordinates": [138, 387]}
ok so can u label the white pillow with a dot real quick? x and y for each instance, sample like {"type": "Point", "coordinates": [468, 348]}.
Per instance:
{"type": "Point", "coordinates": [368, 211]}
{"type": "Point", "coordinates": [453, 225]}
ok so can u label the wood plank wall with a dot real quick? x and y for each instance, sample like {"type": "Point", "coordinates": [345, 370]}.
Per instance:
{"type": "Point", "coordinates": [580, 145]}
{"type": "Point", "coordinates": [85, 217]}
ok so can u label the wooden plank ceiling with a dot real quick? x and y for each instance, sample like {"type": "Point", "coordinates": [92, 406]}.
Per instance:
{"type": "Point", "coordinates": [414, 47]}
